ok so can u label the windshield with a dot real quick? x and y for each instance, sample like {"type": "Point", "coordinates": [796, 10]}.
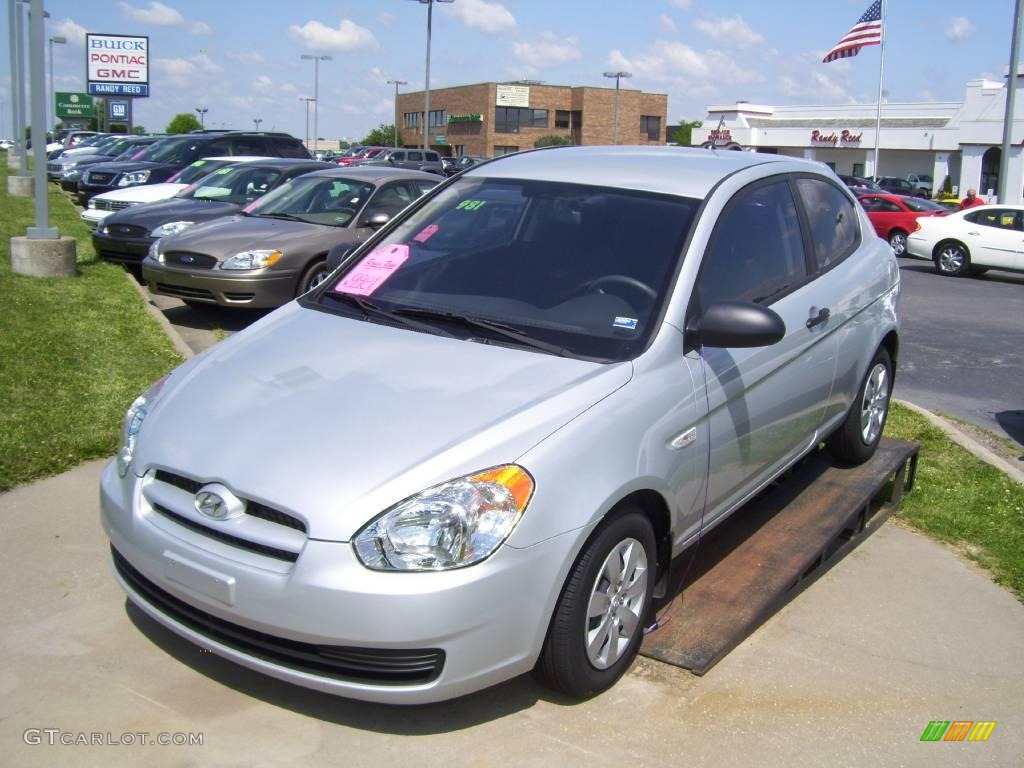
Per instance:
{"type": "Point", "coordinates": [197, 170]}
{"type": "Point", "coordinates": [919, 205]}
{"type": "Point", "coordinates": [176, 151]}
{"type": "Point", "coordinates": [234, 184]}
{"type": "Point", "coordinates": [327, 200]}
{"type": "Point", "coordinates": [584, 268]}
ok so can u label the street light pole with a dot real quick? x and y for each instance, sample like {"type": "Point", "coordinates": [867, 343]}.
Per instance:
{"type": "Point", "coordinates": [202, 116]}
{"type": "Point", "coordinates": [617, 76]}
{"type": "Point", "coordinates": [396, 83]}
{"type": "Point", "coordinates": [19, 73]}
{"type": "Point", "coordinates": [426, 85]}
{"type": "Point", "coordinates": [60, 40]}
{"type": "Point", "coordinates": [307, 99]}
{"type": "Point", "coordinates": [316, 94]}
{"type": "Point", "coordinates": [256, 121]}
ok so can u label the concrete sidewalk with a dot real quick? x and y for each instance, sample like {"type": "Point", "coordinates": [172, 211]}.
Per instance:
{"type": "Point", "coordinates": [900, 633]}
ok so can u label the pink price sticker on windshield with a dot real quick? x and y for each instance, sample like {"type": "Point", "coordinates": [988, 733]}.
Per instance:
{"type": "Point", "coordinates": [368, 275]}
{"type": "Point", "coordinates": [426, 233]}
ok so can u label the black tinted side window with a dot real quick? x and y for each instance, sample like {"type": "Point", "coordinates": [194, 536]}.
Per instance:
{"type": "Point", "coordinates": [756, 253]}
{"type": "Point", "coordinates": [832, 219]}
{"type": "Point", "coordinates": [244, 145]}
{"type": "Point", "coordinates": [287, 148]}
{"type": "Point", "coordinates": [216, 148]}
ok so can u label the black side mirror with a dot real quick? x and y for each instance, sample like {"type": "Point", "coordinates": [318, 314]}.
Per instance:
{"type": "Point", "coordinates": [378, 220]}
{"type": "Point", "coordinates": [736, 324]}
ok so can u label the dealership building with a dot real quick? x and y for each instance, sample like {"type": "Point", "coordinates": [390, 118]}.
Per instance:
{"type": "Point", "coordinates": [500, 118]}
{"type": "Point", "coordinates": [959, 139]}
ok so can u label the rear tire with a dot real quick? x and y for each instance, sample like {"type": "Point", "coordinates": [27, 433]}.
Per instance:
{"type": "Point", "coordinates": [857, 437]}
{"type": "Point", "coordinates": [598, 623]}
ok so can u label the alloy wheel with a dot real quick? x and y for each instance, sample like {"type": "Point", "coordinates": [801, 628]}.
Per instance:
{"type": "Point", "coordinates": [875, 403]}
{"type": "Point", "coordinates": [616, 605]}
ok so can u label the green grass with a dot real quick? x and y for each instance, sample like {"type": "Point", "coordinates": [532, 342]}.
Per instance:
{"type": "Point", "coordinates": [74, 352]}
{"type": "Point", "coordinates": [963, 501]}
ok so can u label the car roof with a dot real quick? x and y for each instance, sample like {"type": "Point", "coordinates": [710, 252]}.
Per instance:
{"type": "Point", "coordinates": [670, 170]}
{"type": "Point", "coordinates": [375, 173]}
{"type": "Point", "coordinates": [285, 162]}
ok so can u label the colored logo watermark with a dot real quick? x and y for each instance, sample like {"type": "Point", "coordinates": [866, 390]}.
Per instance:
{"type": "Point", "coordinates": [958, 730]}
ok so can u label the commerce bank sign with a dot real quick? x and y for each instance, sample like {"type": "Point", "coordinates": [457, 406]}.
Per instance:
{"type": "Point", "coordinates": [117, 65]}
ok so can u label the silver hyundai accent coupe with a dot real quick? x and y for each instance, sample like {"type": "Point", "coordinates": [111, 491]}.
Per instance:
{"type": "Point", "coordinates": [474, 450]}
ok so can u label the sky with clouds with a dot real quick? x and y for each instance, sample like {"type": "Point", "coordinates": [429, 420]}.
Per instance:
{"type": "Point", "coordinates": [241, 60]}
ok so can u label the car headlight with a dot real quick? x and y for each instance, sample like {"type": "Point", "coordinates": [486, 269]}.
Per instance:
{"type": "Point", "coordinates": [92, 203]}
{"type": "Point", "coordinates": [132, 178]}
{"type": "Point", "coordinates": [154, 250]}
{"type": "Point", "coordinates": [252, 260]}
{"type": "Point", "coordinates": [171, 228]}
{"type": "Point", "coordinates": [133, 423]}
{"type": "Point", "coordinates": [69, 175]}
{"type": "Point", "coordinates": [69, 166]}
{"type": "Point", "coordinates": [452, 525]}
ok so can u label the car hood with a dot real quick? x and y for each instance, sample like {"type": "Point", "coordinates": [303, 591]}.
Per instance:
{"type": "Point", "coordinates": [164, 211]}
{"type": "Point", "coordinates": [334, 419]}
{"type": "Point", "coordinates": [142, 194]}
{"type": "Point", "coordinates": [124, 166]}
{"type": "Point", "coordinates": [228, 235]}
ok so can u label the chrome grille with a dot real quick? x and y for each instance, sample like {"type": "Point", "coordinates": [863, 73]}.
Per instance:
{"type": "Point", "coordinates": [111, 205]}
{"type": "Point", "coordinates": [189, 259]}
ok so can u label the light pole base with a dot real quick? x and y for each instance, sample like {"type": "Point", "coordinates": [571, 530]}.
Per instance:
{"type": "Point", "coordinates": [44, 258]}
{"type": "Point", "coordinates": [20, 186]}
{"type": "Point", "coordinates": [13, 160]}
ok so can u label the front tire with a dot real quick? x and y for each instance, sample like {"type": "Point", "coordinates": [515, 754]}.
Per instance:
{"type": "Point", "coordinates": [952, 259]}
{"type": "Point", "coordinates": [598, 623]}
{"type": "Point", "coordinates": [315, 274]}
{"type": "Point", "coordinates": [857, 437]}
{"type": "Point", "coordinates": [898, 242]}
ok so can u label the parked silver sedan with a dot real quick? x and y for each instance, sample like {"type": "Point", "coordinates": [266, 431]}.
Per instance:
{"type": "Point", "coordinates": [474, 449]}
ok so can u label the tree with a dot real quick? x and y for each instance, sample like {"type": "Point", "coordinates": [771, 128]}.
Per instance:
{"type": "Point", "coordinates": [183, 122]}
{"type": "Point", "coordinates": [553, 141]}
{"type": "Point", "coordinates": [138, 130]}
{"type": "Point", "coordinates": [684, 134]}
{"type": "Point", "coordinates": [382, 136]}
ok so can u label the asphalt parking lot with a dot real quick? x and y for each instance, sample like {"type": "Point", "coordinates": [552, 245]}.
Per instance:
{"type": "Point", "coordinates": [898, 634]}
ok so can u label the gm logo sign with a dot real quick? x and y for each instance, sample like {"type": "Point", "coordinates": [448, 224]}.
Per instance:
{"type": "Point", "coordinates": [119, 110]}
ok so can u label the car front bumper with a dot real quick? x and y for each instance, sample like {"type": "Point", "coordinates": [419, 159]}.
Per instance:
{"type": "Point", "coordinates": [94, 217]}
{"type": "Point", "coordinates": [124, 250]}
{"type": "Point", "coordinates": [476, 626]}
{"type": "Point", "coordinates": [261, 289]}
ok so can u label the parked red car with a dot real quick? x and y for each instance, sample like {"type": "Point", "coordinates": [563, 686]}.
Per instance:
{"type": "Point", "coordinates": [364, 154]}
{"type": "Point", "coordinates": [893, 216]}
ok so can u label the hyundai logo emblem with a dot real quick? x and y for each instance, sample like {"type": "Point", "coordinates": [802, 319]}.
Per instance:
{"type": "Point", "coordinates": [211, 505]}
{"type": "Point", "coordinates": [126, 230]}
{"type": "Point", "coordinates": [218, 503]}
{"type": "Point", "coordinates": [187, 259]}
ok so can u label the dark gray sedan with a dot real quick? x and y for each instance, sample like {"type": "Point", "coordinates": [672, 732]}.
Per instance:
{"type": "Point", "coordinates": [276, 248]}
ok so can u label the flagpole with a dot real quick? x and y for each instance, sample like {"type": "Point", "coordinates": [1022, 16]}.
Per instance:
{"type": "Point", "coordinates": [878, 107]}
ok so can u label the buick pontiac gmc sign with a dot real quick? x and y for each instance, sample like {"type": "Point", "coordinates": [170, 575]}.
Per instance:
{"type": "Point", "coordinates": [117, 65]}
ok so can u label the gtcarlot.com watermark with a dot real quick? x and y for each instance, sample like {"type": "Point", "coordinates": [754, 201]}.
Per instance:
{"type": "Point", "coordinates": [56, 737]}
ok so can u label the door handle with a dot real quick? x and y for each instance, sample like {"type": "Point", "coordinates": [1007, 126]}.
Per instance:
{"type": "Point", "coordinates": [818, 319]}
{"type": "Point", "coordinates": [973, 233]}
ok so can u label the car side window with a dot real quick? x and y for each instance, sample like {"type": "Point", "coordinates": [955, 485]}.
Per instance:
{"type": "Point", "coordinates": [398, 157]}
{"type": "Point", "coordinates": [1000, 218]}
{"type": "Point", "coordinates": [287, 148]}
{"type": "Point", "coordinates": [432, 157]}
{"type": "Point", "coordinates": [390, 199]}
{"type": "Point", "coordinates": [216, 148]}
{"type": "Point", "coordinates": [248, 146]}
{"type": "Point", "coordinates": [756, 252]}
{"type": "Point", "coordinates": [832, 219]}
{"type": "Point", "coordinates": [416, 157]}
{"type": "Point", "coordinates": [886, 206]}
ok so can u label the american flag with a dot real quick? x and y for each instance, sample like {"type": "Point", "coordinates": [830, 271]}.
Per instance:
{"type": "Point", "coordinates": [867, 31]}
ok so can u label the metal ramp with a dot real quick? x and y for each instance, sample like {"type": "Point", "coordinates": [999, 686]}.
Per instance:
{"type": "Point", "coordinates": [772, 549]}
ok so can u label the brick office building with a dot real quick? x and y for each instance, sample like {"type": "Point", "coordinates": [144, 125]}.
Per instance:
{"type": "Point", "coordinates": [499, 118]}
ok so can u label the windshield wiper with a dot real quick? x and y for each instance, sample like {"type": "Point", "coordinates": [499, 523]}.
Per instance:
{"type": "Point", "coordinates": [370, 309]}
{"type": "Point", "coordinates": [285, 216]}
{"type": "Point", "coordinates": [517, 335]}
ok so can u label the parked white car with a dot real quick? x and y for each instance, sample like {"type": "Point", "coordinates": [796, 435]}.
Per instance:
{"type": "Point", "coordinates": [971, 241]}
{"type": "Point", "coordinates": [921, 180]}
{"type": "Point", "coordinates": [103, 205]}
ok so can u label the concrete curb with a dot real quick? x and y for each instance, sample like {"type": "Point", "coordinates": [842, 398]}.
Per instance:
{"type": "Point", "coordinates": [179, 343]}
{"type": "Point", "coordinates": [968, 443]}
